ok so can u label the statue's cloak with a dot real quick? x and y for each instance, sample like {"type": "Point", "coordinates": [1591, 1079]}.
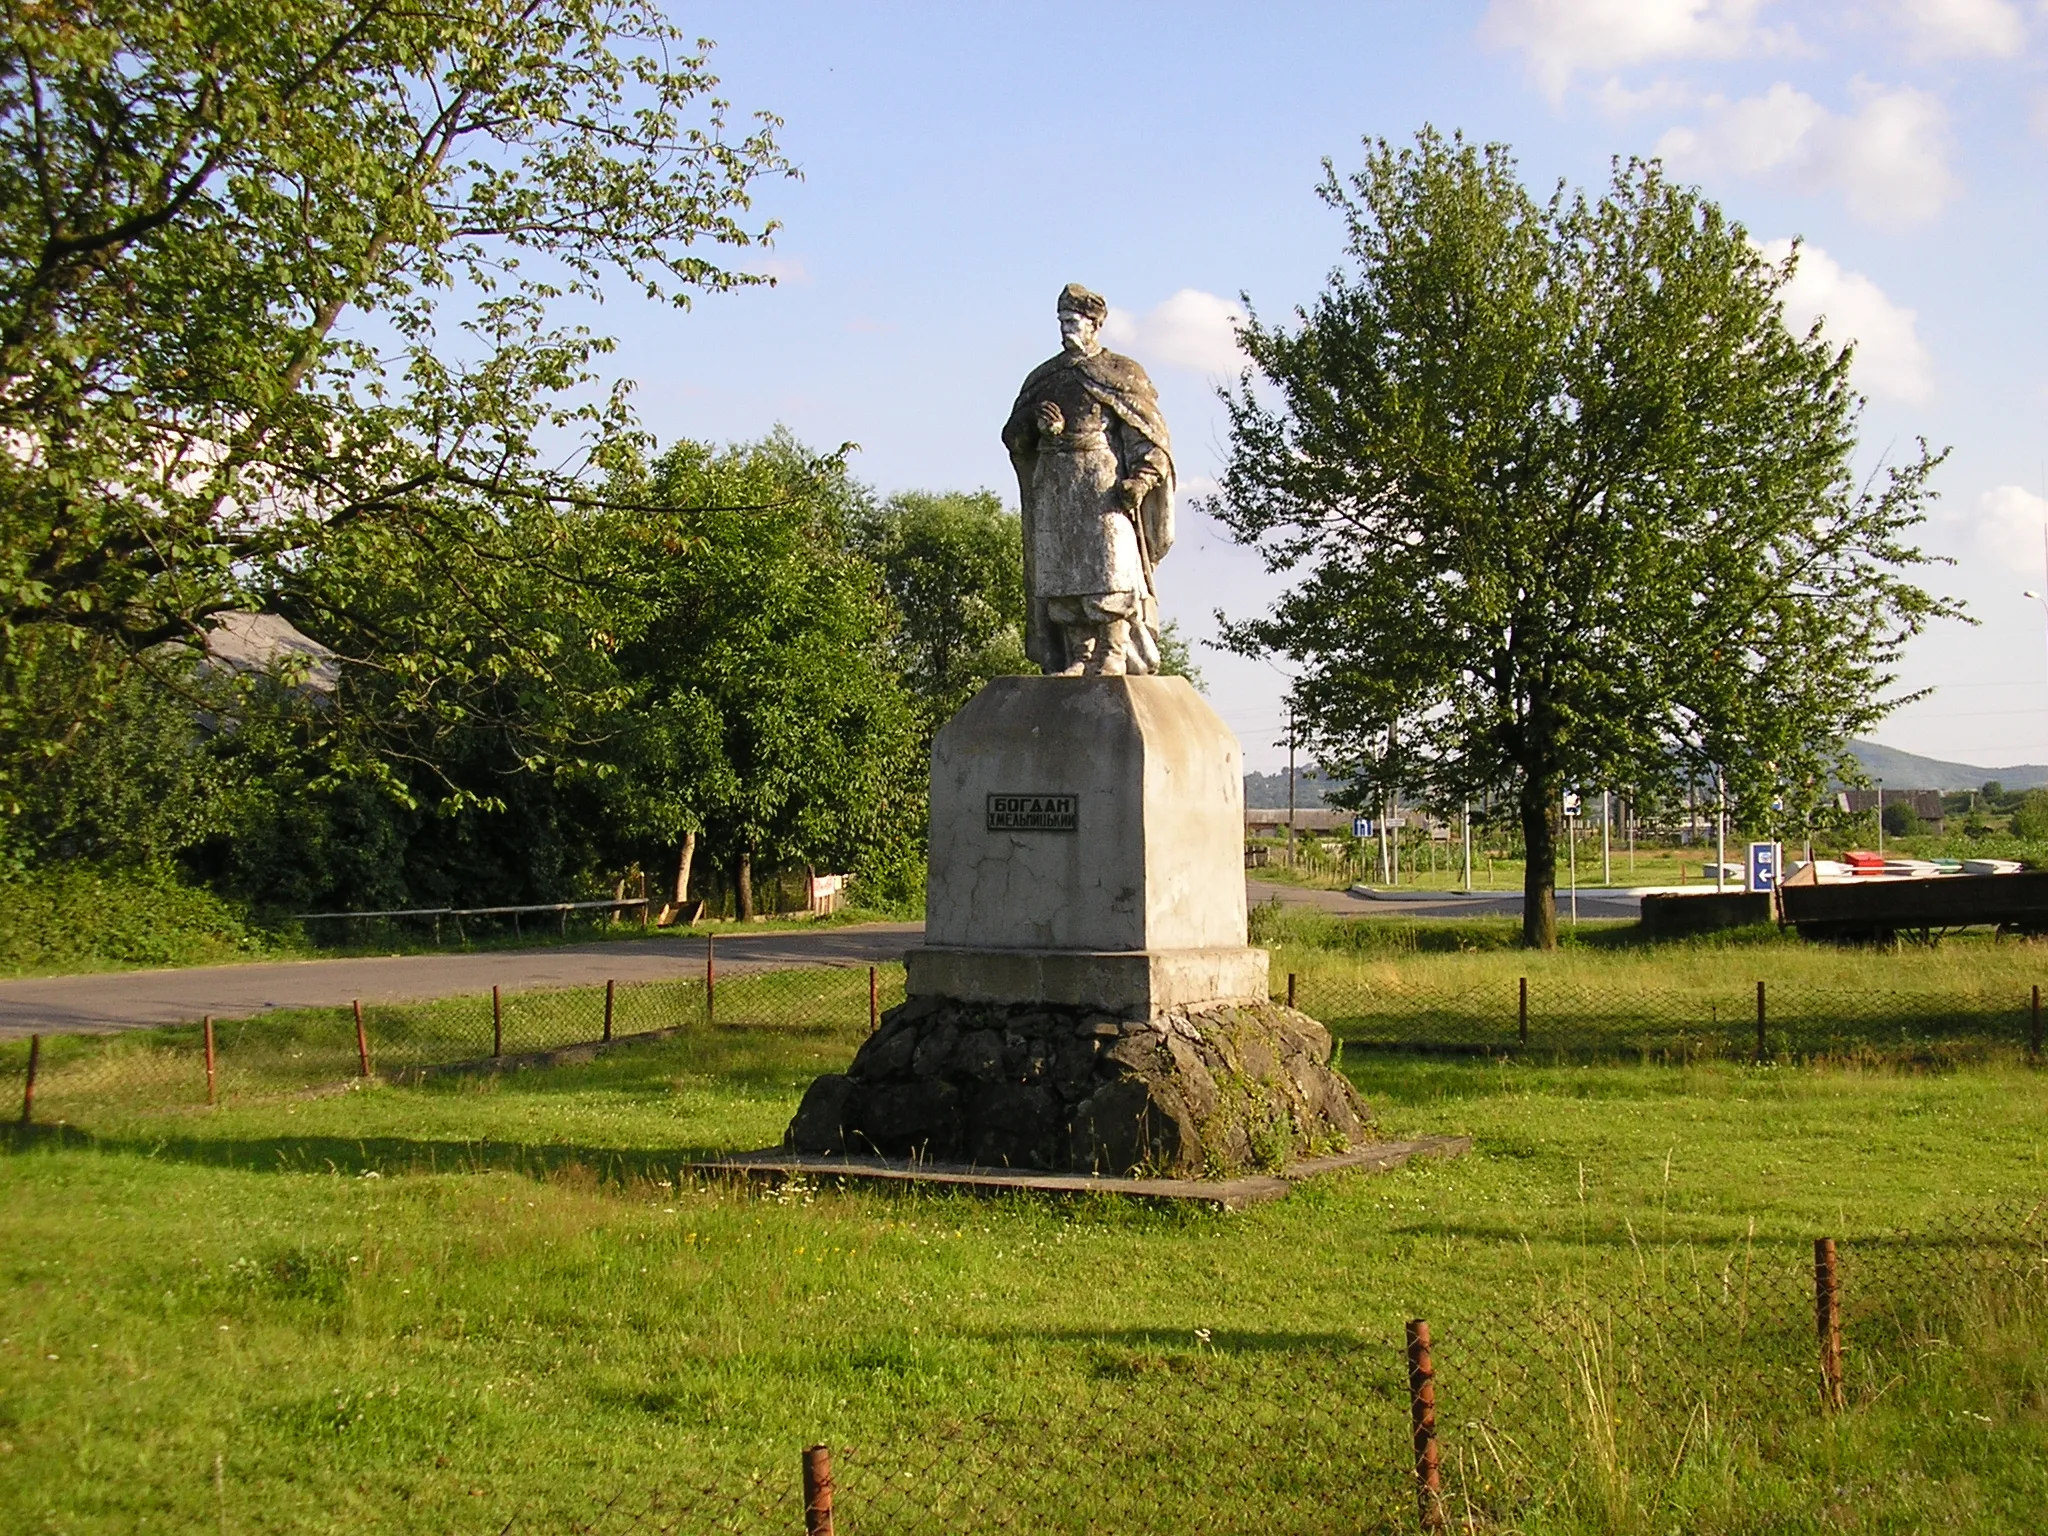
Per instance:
{"type": "Point", "coordinates": [1120, 386]}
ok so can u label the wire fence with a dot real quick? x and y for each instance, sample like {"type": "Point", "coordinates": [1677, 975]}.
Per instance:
{"type": "Point", "coordinates": [185, 1066]}
{"type": "Point", "coordinates": [73, 1078]}
{"type": "Point", "coordinates": [1738, 1019]}
{"type": "Point", "coordinates": [1581, 1384]}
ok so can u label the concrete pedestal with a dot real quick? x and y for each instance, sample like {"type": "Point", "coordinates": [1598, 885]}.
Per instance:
{"type": "Point", "coordinates": [1087, 840]}
{"type": "Point", "coordinates": [1085, 999]}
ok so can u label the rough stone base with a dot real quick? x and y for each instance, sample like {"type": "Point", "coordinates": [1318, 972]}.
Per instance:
{"type": "Point", "coordinates": [1213, 1091]}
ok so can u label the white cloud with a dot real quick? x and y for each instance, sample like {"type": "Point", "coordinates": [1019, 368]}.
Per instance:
{"type": "Point", "coordinates": [1889, 157]}
{"type": "Point", "coordinates": [1618, 100]}
{"type": "Point", "coordinates": [1563, 38]}
{"type": "Point", "coordinates": [1192, 329]}
{"type": "Point", "coordinates": [1890, 361]}
{"type": "Point", "coordinates": [2009, 525]}
{"type": "Point", "coordinates": [1963, 28]}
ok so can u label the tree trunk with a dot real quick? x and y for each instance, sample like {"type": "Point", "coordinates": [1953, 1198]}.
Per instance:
{"type": "Point", "coordinates": [685, 854]}
{"type": "Point", "coordinates": [743, 884]}
{"type": "Point", "coordinates": [1539, 871]}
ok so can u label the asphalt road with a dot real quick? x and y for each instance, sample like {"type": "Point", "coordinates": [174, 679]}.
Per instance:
{"type": "Point", "coordinates": [1444, 904]}
{"type": "Point", "coordinates": [138, 999]}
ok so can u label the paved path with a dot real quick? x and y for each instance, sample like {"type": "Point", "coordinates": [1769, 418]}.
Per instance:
{"type": "Point", "coordinates": [1441, 904]}
{"type": "Point", "coordinates": [137, 999]}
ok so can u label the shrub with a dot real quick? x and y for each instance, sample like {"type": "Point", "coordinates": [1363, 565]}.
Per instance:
{"type": "Point", "coordinates": [91, 917]}
{"type": "Point", "coordinates": [2030, 821]}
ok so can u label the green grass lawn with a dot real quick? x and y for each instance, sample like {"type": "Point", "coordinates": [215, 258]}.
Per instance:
{"type": "Point", "coordinates": [493, 1305]}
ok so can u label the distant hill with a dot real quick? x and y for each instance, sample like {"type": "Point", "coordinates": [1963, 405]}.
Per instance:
{"type": "Point", "coordinates": [1899, 770]}
{"type": "Point", "coordinates": [1905, 770]}
{"type": "Point", "coordinates": [1268, 791]}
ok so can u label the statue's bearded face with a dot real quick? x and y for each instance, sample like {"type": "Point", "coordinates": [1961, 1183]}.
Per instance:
{"type": "Point", "coordinates": [1077, 331]}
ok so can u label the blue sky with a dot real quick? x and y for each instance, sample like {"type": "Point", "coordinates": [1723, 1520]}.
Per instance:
{"type": "Point", "coordinates": [961, 162]}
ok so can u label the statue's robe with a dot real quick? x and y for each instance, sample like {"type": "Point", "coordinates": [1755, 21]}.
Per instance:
{"type": "Point", "coordinates": [1080, 540]}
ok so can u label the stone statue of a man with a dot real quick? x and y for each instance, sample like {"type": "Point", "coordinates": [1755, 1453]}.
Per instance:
{"type": "Point", "coordinates": [1095, 480]}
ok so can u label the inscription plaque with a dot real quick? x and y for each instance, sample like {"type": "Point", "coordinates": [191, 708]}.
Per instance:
{"type": "Point", "coordinates": [1033, 813]}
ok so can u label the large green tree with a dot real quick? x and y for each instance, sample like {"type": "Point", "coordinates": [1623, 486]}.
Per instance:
{"type": "Point", "coordinates": [1568, 503]}
{"type": "Point", "coordinates": [765, 712]}
{"type": "Point", "coordinates": [228, 232]}
{"type": "Point", "coordinates": [953, 563]}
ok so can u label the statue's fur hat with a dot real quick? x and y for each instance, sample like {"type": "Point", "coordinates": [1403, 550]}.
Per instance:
{"type": "Point", "coordinates": [1084, 302]}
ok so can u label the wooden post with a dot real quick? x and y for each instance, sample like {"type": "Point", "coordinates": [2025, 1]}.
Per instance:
{"type": "Point", "coordinates": [1762, 1047]}
{"type": "Point", "coordinates": [1290, 989]}
{"type": "Point", "coordinates": [362, 1039]}
{"type": "Point", "coordinates": [1827, 1318]}
{"type": "Point", "coordinates": [1522, 1013]}
{"type": "Point", "coordinates": [608, 1008]}
{"type": "Point", "coordinates": [1429, 1493]}
{"type": "Point", "coordinates": [710, 979]}
{"type": "Point", "coordinates": [818, 1491]}
{"type": "Point", "coordinates": [28, 1087]}
{"type": "Point", "coordinates": [874, 1001]}
{"type": "Point", "coordinates": [497, 1024]}
{"type": "Point", "coordinates": [2034, 1033]}
{"type": "Point", "coordinates": [209, 1059]}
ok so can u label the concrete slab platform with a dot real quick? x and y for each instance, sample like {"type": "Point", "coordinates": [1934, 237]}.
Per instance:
{"type": "Point", "coordinates": [777, 1165]}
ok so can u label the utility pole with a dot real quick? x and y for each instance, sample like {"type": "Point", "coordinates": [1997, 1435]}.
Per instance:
{"type": "Point", "coordinates": [1465, 821]}
{"type": "Point", "coordinates": [1606, 838]}
{"type": "Point", "coordinates": [1571, 833]}
{"type": "Point", "coordinates": [1290, 783]}
{"type": "Point", "coordinates": [1720, 829]}
{"type": "Point", "coordinates": [1880, 815]}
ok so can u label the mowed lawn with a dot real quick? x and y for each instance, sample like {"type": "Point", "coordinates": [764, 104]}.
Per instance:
{"type": "Point", "coordinates": [490, 1306]}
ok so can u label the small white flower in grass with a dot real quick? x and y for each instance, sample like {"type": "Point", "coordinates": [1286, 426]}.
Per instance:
{"type": "Point", "coordinates": [1202, 1335]}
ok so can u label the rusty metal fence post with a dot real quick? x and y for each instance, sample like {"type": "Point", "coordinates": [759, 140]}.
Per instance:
{"type": "Point", "coordinates": [608, 986]}
{"type": "Point", "coordinates": [497, 1023]}
{"type": "Point", "coordinates": [1522, 1012]}
{"type": "Point", "coordinates": [874, 1000]}
{"type": "Point", "coordinates": [710, 978]}
{"type": "Point", "coordinates": [362, 1039]}
{"type": "Point", "coordinates": [1429, 1492]}
{"type": "Point", "coordinates": [1291, 979]}
{"type": "Point", "coordinates": [1827, 1319]}
{"type": "Point", "coordinates": [28, 1086]}
{"type": "Point", "coordinates": [209, 1059]}
{"type": "Point", "coordinates": [1762, 1046]}
{"type": "Point", "coordinates": [2034, 1030]}
{"type": "Point", "coordinates": [818, 1491]}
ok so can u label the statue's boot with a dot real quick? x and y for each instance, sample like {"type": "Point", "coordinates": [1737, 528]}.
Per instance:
{"type": "Point", "coordinates": [1107, 659]}
{"type": "Point", "coordinates": [1083, 643]}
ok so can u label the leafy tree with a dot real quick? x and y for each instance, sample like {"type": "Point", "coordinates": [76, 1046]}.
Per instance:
{"type": "Point", "coordinates": [953, 564]}
{"type": "Point", "coordinates": [131, 776]}
{"type": "Point", "coordinates": [765, 709]}
{"type": "Point", "coordinates": [226, 234]}
{"type": "Point", "coordinates": [1901, 820]}
{"type": "Point", "coordinates": [1177, 657]}
{"type": "Point", "coordinates": [1570, 504]}
{"type": "Point", "coordinates": [2030, 821]}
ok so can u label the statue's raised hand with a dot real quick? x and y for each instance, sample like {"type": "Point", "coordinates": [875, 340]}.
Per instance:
{"type": "Point", "coordinates": [1052, 421]}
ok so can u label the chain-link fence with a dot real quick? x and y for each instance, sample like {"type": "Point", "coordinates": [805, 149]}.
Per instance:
{"type": "Point", "coordinates": [1675, 1024]}
{"type": "Point", "coordinates": [197, 1064]}
{"type": "Point", "coordinates": [73, 1078]}
{"type": "Point", "coordinates": [1575, 1388]}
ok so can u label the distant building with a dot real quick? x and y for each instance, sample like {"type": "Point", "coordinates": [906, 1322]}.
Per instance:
{"type": "Point", "coordinates": [260, 642]}
{"type": "Point", "coordinates": [1926, 803]}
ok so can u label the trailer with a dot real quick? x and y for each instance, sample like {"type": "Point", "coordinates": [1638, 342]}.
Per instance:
{"type": "Point", "coordinates": [1869, 910]}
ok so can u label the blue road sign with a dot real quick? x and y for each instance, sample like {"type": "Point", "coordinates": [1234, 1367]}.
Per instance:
{"type": "Point", "coordinates": [1763, 866]}
{"type": "Point", "coordinates": [1361, 826]}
